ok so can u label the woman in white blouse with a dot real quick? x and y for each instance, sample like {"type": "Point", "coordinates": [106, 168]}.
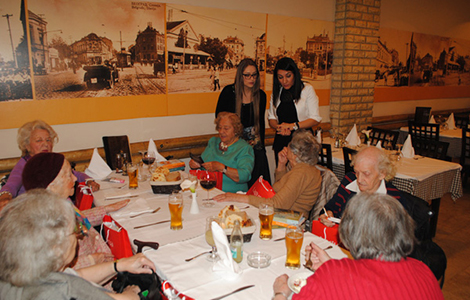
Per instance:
{"type": "Point", "coordinates": [293, 105]}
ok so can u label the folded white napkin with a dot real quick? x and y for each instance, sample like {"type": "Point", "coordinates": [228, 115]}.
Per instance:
{"type": "Point", "coordinates": [225, 265]}
{"type": "Point", "coordinates": [353, 138]}
{"type": "Point", "coordinates": [451, 122]}
{"type": "Point", "coordinates": [379, 145]}
{"type": "Point", "coordinates": [408, 151]}
{"type": "Point", "coordinates": [318, 137]}
{"type": "Point", "coordinates": [152, 149]}
{"type": "Point", "coordinates": [133, 208]}
{"type": "Point", "coordinates": [431, 120]}
{"type": "Point", "coordinates": [98, 168]}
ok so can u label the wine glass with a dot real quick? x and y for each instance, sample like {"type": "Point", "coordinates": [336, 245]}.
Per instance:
{"type": "Point", "coordinates": [208, 181]}
{"type": "Point", "coordinates": [399, 147]}
{"type": "Point", "coordinates": [213, 256]}
{"type": "Point", "coordinates": [148, 159]}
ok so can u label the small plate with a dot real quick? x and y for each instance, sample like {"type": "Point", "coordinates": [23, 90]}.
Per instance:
{"type": "Point", "coordinates": [297, 281]}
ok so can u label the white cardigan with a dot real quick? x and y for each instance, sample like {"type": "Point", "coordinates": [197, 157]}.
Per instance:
{"type": "Point", "coordinates": [306, 106]}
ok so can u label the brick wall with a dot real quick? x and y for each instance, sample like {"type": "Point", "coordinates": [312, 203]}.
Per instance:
{"type": "Point", "coordinates": [355, 51]}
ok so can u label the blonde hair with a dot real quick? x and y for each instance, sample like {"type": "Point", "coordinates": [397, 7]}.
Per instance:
{"type": "Point", "coordinates": [24, 134]}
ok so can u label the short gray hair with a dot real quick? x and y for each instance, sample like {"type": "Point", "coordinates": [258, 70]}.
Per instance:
{"type": "Point", "coordinates": [376, 226]}
{"type": "Point", "coordinates": [305, 147]}
{"type": "Point", "coordinates": [34, 236]}
{"type": "Point", "coordinates": [24, 134]}
{"type": "Point", "coordinates": [383, 163]}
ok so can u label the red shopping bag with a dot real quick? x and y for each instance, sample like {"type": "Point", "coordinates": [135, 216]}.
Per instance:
{"type": "Point", "coordinates": [219, 176]}
{"type": "Point", "coordinates": [261, 188]}
{"type": "Point", "coordinates": [328, 233]}
{"type": "Point", "coordinates": [117, 238]}
{"type": "Point", "coordinates": [83, 196]}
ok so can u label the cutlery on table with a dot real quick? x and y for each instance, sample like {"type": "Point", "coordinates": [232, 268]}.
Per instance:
{"type": "Point", "coordinates": [280, 239]}
{"type": "Point", "coordinates": [146, 212]}
{"type": "Point", "coordinates": [151, 224]}
{"type": "Point", "coordinates": [235, 291]}
{"type": "Point", "coordinates": [309, 263]}
{"type": "Point", "coordinates": [119, 197]}
{"type": "Point", "coordinates": [205, 252]}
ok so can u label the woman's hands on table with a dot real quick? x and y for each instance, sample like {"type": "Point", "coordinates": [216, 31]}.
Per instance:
{"type": "Point", "coordinates": [231, 197]}
{"type": "Point", "coordinates": [116, 206]}
{"type": "Point", "coordinates": [324, 219]}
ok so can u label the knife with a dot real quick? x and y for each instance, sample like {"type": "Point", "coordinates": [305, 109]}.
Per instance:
{"type": "Point", "coordinates": [142, 226]}
{"type": "Point", "coordinates": [235, 291]}
{"type": "Point", "coordinates": [118, 197]}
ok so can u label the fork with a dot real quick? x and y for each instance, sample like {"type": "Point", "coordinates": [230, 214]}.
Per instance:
{"type": "Point", "coordinates": [205, 252]}
{"type": "Point", "coordinates": [146, 212]}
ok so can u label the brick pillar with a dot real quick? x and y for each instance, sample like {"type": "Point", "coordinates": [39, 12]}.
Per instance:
{"type": "Point", "coordinates": [354, 61]}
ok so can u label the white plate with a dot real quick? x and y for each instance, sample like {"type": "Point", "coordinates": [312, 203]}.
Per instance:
{"type": "Point", "coordinates": [297, 281]}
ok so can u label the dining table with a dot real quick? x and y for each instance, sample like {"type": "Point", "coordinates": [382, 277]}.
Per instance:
{"type": "Point", "coordinates": [196, 278]}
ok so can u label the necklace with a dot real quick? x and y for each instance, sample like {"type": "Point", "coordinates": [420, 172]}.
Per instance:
{"type": "Point", "coordinates": [224, 147]}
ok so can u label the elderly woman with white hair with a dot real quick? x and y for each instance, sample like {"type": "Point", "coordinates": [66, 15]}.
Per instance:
{"type": "Point", "coordinates": [298, 188]}
{"type": "Point", "coordinates": [38, 241]}
{"type": "Point", "coordinates": [379, 233]}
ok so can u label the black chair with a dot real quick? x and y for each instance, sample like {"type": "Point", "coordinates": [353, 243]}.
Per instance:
{"type": "Point", "coordinates": [423, 131]}
{"type": "Point", "coordinates": [422, 114]}
{"type": "Point", "coordinates": [432, 149]}
{"type": "Point", "coordinates": [114, 145]}
{"type": "Point", "coordinates": [465, 155]}
{"type": "Point", "coordinates": [348, 154]}
{"type": "Point", "coordinates": [461, 121]}
{"type": "Point", "coordinates": [325, 157]}
{"type": "Point", "coordinates": [384, 136]}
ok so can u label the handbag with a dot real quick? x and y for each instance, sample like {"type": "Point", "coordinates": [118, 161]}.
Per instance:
{"type": "Point", "coordinates": [330, 234]}
{"type": "Point", "coordinates": [149, 284]}
{"type": "Point", "coordinates": [261, 188]}
{"type": "Point", "coordinates": [218, 175]}
{"type": "Point", "coordinates": [116, 238]}
{"type": "Point", "coordinates": [83, 196]}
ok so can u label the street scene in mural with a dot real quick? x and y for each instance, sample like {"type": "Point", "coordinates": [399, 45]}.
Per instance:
{"type": "Point", "coordinates": [416, 59]}
{"type": "Point", "coordinates": [308, 42]}
{"type": "Point", "coordinates": [15, 75]}
{"type": "Point", "coordinates": [205, 45]}
{"type": "Point", "coordinates": [97, 48]}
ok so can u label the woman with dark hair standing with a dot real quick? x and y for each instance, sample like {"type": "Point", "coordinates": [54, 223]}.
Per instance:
{"type": "Point", "coordinates": [294, 104]}
{"type": "Point", "coordinates": [248, 101]}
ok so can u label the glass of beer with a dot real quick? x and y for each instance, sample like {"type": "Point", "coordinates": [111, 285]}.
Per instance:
{"type": "Point", "coordinates": [294, 240]}
{"type": "Point", "coordinates": [175, 203]}
{"type": "Point", "coordinates": [266, 214]}
{"type": "Point", "coordinates": [132, 172]}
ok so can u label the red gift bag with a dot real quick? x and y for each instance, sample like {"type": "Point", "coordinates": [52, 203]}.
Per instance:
{"type": "Point", "coordinates": [83, 196]}
{"type": "Point", "coordinates": [219, 176]}
{"type": "Point", "coordinates": [117, 238]}
{"type": "Point", "coordinates": [328, 233]}
{"type": "Point", "coordinates": [261, 188]}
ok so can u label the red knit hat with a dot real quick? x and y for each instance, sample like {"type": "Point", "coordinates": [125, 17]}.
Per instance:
{"type": "Point", "coordinates": [42, 169]}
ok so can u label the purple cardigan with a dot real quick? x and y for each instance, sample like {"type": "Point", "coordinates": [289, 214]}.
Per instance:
{"type": "Point", "coordinates": [14, 184]}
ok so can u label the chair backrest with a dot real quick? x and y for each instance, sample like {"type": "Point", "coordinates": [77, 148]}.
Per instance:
{"type": "Point", "coordinates": [383, 135]}
{"type": "Point", "coordinates": [114, 145]}
{"type": "Point", "coordinates": [325, 157]}
{"type": "Point", "coordinates": [433, 149]}
{"type": "Point", "coordinates": [465, 154]}
{"type": "Point", "coordinates": [329, 185]}
{"type": "Point", "coordinates": [422, 114]}
{"type": "Point", "coordinates": [461, 121]}
{"type": "Point", "coordinates": [423, 131]}
{"type": "Point", "coordinates": [348, 154]}
{"type": "Point", "coordinates": [419, 210]}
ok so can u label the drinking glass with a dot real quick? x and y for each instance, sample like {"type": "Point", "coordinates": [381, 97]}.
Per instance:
{"type": "Point", "coordinates": [175, 204]}
{"type": "Point", "coordinates": [294, 240]}
{"type": "Point", "coordinates": [132, 172]}
{"type": "Point", "coordinates": [148, 159]}
{"type": "Point", "coordinates": [213, 256]}
{"type": "Point", "coordinates": [208, 181]}
{"type": "Point", "coordinates": [266, 215]}
{"type": "Point", "coordinates": [399, 148]}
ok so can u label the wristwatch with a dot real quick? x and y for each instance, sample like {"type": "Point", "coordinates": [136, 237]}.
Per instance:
{"type": "Point", "coordinates": [225, 170]}
{"type": "Point", "coordinates": [296, 126]}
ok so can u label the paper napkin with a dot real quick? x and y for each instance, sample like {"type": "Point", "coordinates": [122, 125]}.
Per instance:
{"type": "Point", "coordinates": [318, 137]}
{"type": "Point", "coordinates": [451, 122]}
{"type": "Point", "coordinates": [431, 120]}
{"type": "Point", "coordinates": [408, 151]}
{"type": "Point", "coordinates": [379, 145]}
{"type": "Point", "coordinates": [152, 149]}
{"type": "Point", "coordinates": [98, 168]}
{"type": "Point", "coordinates": [353, 138]}
{"type": "Point", "coordinates": [133, 208]}
{"type": "Point", "coordinates": [225, 265]}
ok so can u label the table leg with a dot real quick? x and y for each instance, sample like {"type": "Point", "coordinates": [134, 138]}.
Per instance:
{"type": "Point", "coordinates": [435, 204]}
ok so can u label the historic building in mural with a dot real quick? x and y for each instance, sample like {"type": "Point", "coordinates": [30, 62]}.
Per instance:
{"type": "Point", "coordinates": [236, 49]}
{"type": "Point", "coordinates": [260, 52]}
{"type": "Point", "coordinates": [149, 45]}
{"type": "Point", "coordinates": [92, 50]}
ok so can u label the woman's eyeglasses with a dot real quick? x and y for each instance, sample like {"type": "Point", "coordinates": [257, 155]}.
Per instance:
{"type": "Point", "coordinates": [248, 75]}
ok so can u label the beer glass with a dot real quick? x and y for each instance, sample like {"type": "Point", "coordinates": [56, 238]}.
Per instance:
{"type": "Point", "coordinates": [266, 214]}
{"type": "Point", "coordinates": [132, 171]}
{"type": "Point", "coordinates": [175, 203]}
{"type": "Point", "coordinates": [294, 240]}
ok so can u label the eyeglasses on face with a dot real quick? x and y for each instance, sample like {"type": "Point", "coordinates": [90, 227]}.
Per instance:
{"type": "Point", "coordinates": [248, 75]}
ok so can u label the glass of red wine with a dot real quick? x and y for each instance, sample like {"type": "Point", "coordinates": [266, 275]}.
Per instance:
{"type": "Point", "coordinates": [208, 181]}
{"type": "Point", "coordinates": [148, 159]}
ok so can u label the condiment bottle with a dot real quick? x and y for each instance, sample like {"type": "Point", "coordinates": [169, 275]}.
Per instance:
{"type": "Point", "coordinates": [236, 242]}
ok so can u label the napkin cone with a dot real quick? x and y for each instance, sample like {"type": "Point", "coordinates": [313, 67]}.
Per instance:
{"type": "Point", "coordinates": [225, 265]}
{"type": "Point", "coordinates": [98, 168]}
{"type": "Point", "coordinates": [451, 122]}
{"type": "Point", "coordinates": [353, 138]}
{"type": "Point", "coordinates": [379, 145]}
{"type": "Point", "coordinates": [431, 120]}
{"type": "Point", "coordinates": [318, 137]}
{"type": "Point", "coordinates": [152, 149]}
{"type": "Point", "coordinates": [408, 151]}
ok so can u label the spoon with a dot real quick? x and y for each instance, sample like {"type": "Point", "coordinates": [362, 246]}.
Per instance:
{"type": "Point", "coordinates": [205, 252]}
{"type": "Point", "coordinates": [309, 263]}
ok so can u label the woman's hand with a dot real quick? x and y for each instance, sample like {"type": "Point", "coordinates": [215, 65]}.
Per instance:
{"type": "Point", "coordinates": [132, 292]}
{"type": "Point", "coordinates": [137, 264]}
{"type": "Point", "coordinates": [193, 164]}
{"type": "Point", "coordinates": [213, 166]}
{"type": "Point", "coordinates": [231, 197]}
{"type": "Point", "coordinates": [284, 129]}
{"type": "Point", "coordinates": [318, 256]}
{"type": "Point", "coordinates": [116, 206]}
{"type": "Point", "coordinates": [280, 286]}
{"type": "Point", "coordinates": [93, 185]}
{"type": "Point", "coordinates": [324, 219]}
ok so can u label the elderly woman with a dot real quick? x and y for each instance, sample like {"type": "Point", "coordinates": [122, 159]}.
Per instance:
{"type": "Point", "coordinates": [38, 137]}
{"type": "Point", "coordinates": [298, 188]}
{"type": "Point", "coordinates": [38, 241]}
{"type": "Point", "coordinates": [52, 171]}
{"type": "Point", "coordinates": [229, 154]}
{"type": "Point", "coordinates": [373, 172]}
{"type": "Point", "coordinates": [379, 234]}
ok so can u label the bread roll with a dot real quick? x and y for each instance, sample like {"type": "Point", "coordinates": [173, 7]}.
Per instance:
{"type": "Point", "coordinates": [173, 176]}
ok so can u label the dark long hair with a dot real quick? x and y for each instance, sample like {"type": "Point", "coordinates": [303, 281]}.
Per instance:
{"type": "Point", "coordinates": [287, 64]}
{"type": "Point", "coordinates": [240, 88]}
